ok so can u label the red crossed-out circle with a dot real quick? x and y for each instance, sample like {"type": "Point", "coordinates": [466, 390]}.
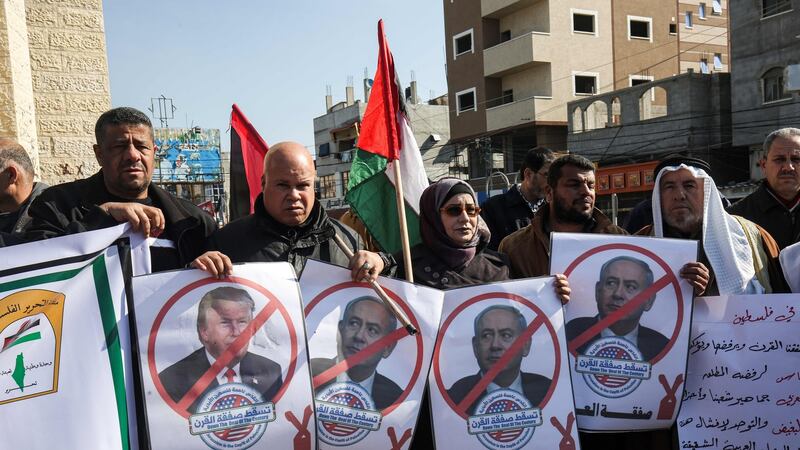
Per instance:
{"type": "Point", "coordinates": [402, 304]}
{"type": "Point", "coordinates": [162, 313]}
{"type": "Point", "coordinates": [673, 280]}
{"type": "Point", "coordinates": [495, 295]}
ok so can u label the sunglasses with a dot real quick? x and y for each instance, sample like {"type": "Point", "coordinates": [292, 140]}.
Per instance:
{"type": "Point", "coordinates": [457, 210]}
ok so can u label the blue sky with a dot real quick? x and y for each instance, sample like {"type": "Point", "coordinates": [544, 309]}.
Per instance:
{"type": "Point", "coordinates": [272, 58]}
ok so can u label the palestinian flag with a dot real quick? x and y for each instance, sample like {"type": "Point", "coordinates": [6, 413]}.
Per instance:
{"type": "Point", "coordinates": [247, 164]}
{"type": "Point", "coordinates": [386, 139]}
{"type": "Point", "coordinates": [24, 334]}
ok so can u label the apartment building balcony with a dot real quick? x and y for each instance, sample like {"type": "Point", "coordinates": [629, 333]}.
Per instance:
{"type": "Point", "coordinates": [518, 113]}
{"type": "Point", "coordinates": [495, 9]}
{"type": "Point", "coordinates": [517, 54]}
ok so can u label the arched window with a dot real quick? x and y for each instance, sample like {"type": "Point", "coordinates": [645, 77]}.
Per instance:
{"type": "Point", "coordinates": [616, 111]}
{"type": "Point", "coordinates": [653, 103]}
{"type": "Point", "coordinates": [596, 115]}
{"type": "Point", "coordinates": [577, 120]}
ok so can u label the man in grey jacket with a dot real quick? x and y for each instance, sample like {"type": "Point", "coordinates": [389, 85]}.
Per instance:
{"type": "Point", "coordinates": [289, 224]}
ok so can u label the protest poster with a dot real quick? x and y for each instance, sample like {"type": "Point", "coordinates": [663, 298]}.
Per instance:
{"type": "Point", "coordinates": [627, 329]}
{"type": "Point", "coordinates": [499, 378]}
{"type": "Point", "coordinates": [65, 368]}
{"type": "Point", "coordinates": [743, 380]}
{"type": "Point", "coordinates": [368, 372]}
{"type": "Point", "coordinates": [223, 361]}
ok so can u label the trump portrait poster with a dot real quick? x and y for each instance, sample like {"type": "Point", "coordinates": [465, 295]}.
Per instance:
{"type": "Point", "coordinates": [499, 379]}
{"type": "Point", "coordinates": [223, 361]}
{"type": "Point", "coordinates": [368, 372]}
{"type": "Point", "coordinates": [65, 370]}
{"type": "Point", "coordinates": [627, 328]}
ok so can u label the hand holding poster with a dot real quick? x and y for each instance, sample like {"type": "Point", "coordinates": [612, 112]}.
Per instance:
{"type": "Point", "coordinates": [627, 327]}
{"type": "Point", "coordinates": [368, 372]}
{"type": "Point", "coordinates": [224, 364]}
{"type": "Point", "coordinates": [498, 373]}
{"type": "Point", "coordinates": [743, 381]}
{"type": "Point", "coordinates": [65, 371]}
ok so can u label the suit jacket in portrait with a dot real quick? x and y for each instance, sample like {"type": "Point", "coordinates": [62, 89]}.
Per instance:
{"type": "Point", "coordinates": [385, 392]}
{"type": "Point", "coordinates": [650, 342]}
{"type": "Point", "coordinates": [534, 387]}
{"type": "Point", "coordinates": [258, 372]}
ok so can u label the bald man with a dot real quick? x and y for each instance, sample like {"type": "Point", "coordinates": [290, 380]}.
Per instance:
{"type": "Point", "coordinates": [289, 224]}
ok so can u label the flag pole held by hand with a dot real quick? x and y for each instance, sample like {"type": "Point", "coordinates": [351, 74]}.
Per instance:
{"type": "Point", "coordinates": [412, 330]}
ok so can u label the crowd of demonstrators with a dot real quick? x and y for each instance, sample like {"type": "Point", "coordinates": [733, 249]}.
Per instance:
{"type": "Point", "coordinates": [122, 192]}
{"type": "Point", "coordinates": [738, 255]}
{"type": "Point", "coordinates": [775, 205]}
{"type": "Point", "coordinates": [514, 210]}
{"type": "Point", "coordinates": [17, 190]}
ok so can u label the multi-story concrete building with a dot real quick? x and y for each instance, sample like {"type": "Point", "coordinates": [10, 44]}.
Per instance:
{"type": "Point", "coordinates": [765, 43]}
{"type": "Point", "coordinates": [336, 139]}
{"type": "Point", "coordinates": [513, 65]}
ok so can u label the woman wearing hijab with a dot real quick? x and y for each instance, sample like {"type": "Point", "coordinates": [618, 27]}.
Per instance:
{"type": "Point", "coordinates": [453, 251]}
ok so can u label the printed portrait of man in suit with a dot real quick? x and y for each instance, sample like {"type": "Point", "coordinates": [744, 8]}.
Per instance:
{"type": "Point", "coordinates": [621, 279]}
{"type": "Point", "coordinates": [496, 328]}
{"type": "Point", "coordinates": [365, 320]}
{"type": "Point", "coordinates": [223, 315]}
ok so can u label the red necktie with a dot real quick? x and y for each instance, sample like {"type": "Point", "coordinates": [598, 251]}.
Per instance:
{"type": "Point", "coordinates": [229, 374]}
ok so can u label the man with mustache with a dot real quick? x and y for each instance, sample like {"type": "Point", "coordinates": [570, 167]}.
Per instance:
{"type": "Point", "coordinates": [121, 192]}
{"type": "Point", "coordinates": [775, 205]}
{"type": "Point", "coordinates": [737, 256]}
{"type": "Point", "coordinates": [570, 195]}
{"type": "Point", "coordinates": [365, 320]}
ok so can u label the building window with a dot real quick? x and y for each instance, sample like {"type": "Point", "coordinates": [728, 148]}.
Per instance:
{"type": "Point", "coordinates": [465, 101]}
{"type": "Point", "coordinates": [640, 28]}
{"type": "Point", "coordinates": [462, 43]}
{"type": "Point", "coordinates": [688, 19]}
{"type": "Point", "coordinates": [324, 149]}
{"type": "Point", "coordinates": [327, 186]}
{"type": "Point", "coordinates": [584, 21]}
{"type": "Point", "coordinates": [636, 80]}
{"type": "Point", "coordinates": [346, 144]}
{"type": "Point", "coordinates": [773, 7]}
{"type": "Point", "coordinates": [345, 180]}
{"type": "Point", "coordinates": [701, 11]}
{"type": "Point", "coordinates": [585, 84]}
{"type": "Point", "coordinates": [772, 82]}
{"type": "Point", "coordinates": [505, 36]}
{"type": "Point", "coordinates": [508, 96]}
{"type": "Point", "coordinates": [718, 61]}
{"type": "Point", "coordinates": [704, 65]}
{"type": "Point", "coordinates": [716, 7]}
{"type": "Point", "coordinates": [673, 28]}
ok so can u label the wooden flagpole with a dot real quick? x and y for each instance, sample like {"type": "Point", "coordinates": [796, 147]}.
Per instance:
{"type": "Point", "coordinates": [401, 215]}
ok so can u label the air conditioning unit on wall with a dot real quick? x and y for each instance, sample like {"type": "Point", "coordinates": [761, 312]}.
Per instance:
{"type": "Point", "coordinates": [793, 78]}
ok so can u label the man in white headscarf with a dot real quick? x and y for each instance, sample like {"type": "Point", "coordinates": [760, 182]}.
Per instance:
{"type": "Point", "coordinates": [742, 257]}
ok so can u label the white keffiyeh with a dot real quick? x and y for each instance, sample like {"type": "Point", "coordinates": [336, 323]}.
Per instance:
{"type": "Point", "coordinates": [724, 240]}
{"type": "Point", "coordinates": [790, 263]}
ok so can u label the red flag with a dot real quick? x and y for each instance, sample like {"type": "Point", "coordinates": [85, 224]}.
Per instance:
{"type": "Point", "coordinates": [247, 164]}
{"type": "Point", "coordinates": [380, 129]}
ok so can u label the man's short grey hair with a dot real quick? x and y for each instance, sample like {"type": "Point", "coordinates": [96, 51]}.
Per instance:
{"type": "Point", "coordinates": [212, 297]}
{"type": "Point", "coordinates": [783, 133]}
{"type": "Point", "coordinates": [648, 273]}
{"type": "Point", "coordinates": [349, 308]}
{"type": "Point", "coordinates": [12, 152]}
{"type": "Point", "coordinates": [523, 324]}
